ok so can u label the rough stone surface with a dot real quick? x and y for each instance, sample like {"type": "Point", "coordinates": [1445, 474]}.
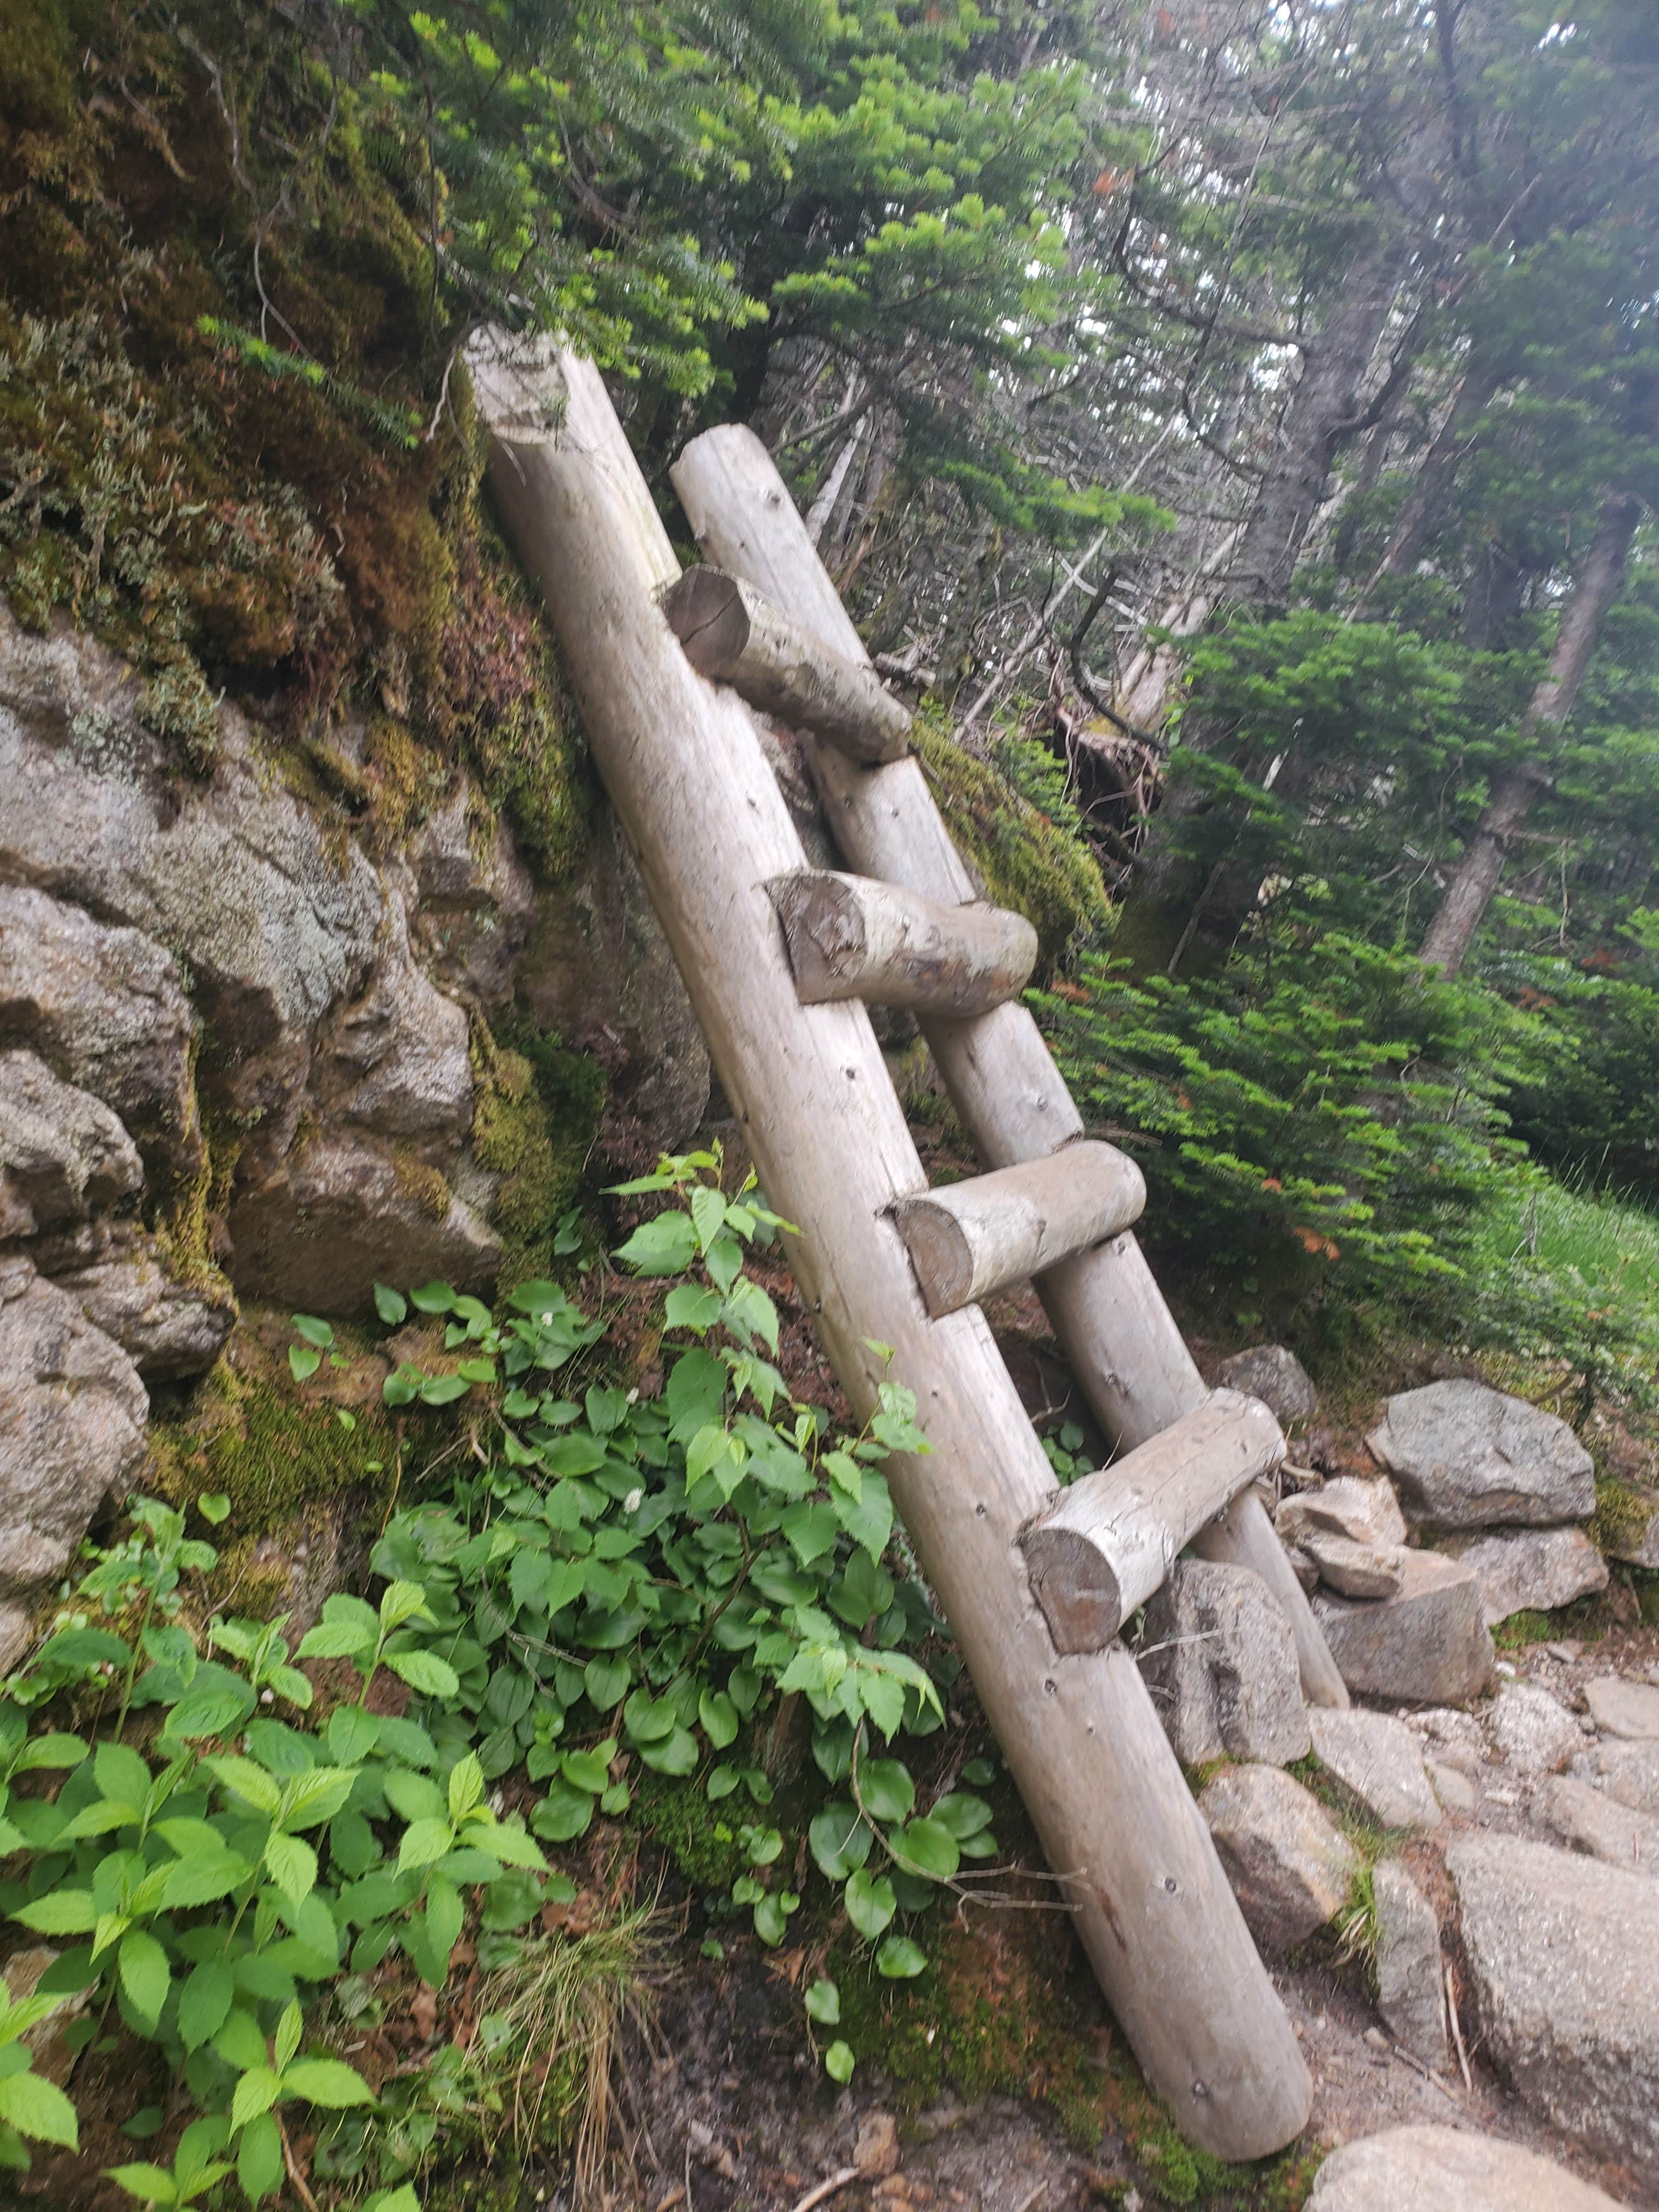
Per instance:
{"type": "Point", "coordinates": [1533, 1571]}
{"type": "Point", "coordinates": [120, 1281]}
{"type": "Point", "coordinates": [1428, 1642]}
{"type": "Point", "coordinates": [63, 1153]}
{"type": "Point", "coordinates": [1222, 1667]}
{"type": "Point", "coordinates": [1467, 1456]}
{"type": "Point", "coordinates": [1626, 1772]}
{"type": "Point", "coordinates": [274, 919]}
{"type": "Point", "coordinates": [1377, 1760]}
{"type": "Point", "coordinates": [395, 1059]}
{"type": "Point", "coordinates": [1455, 1791]}
{"type": "Point", "coordinates": [1623, 1708]}
{"type": "Point", "coordinates": [1590, 1821]}
{"type": "Point", "coordinates": [1356, 1570]}
{"type": "Point", "coordinates": [336, 1215]}
{"type": "Point", "coordinates": [1277, 1377]}
{"type": "Point", "coordinates": [1634, 1536]}
{"type": "Point", "coordinates": [1560, 1952]}
{"type": "Point", "coordinates": [1532, 1732]}
{"type": "Point", "coordinates": [1409, 1994]}
{"type": "Point", "coordinates": [1291, 1868]}
{"type": "Point", "coordinates": [1363, 1512]}
{"type": "Point", "coordinates": [598, 970]}
{"type": "Point", "coordinates": [1429, 2169]}
{"type": "Point", "coordinates": [17, 1634]}
{"type": "Point", "coordinates": [105, 1010]}
{"type": "Point", "coordinates": [474, 898]}
{"type": "Point", "coordinates": [72, 1414]}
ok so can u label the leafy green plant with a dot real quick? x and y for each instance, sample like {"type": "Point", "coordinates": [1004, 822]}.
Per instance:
{"type": "Point", "coordinates": [616, 1585]}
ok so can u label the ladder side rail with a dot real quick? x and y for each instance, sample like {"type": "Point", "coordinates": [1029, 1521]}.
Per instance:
{"type": "Point", "coordinates": [685, 767]}
{"type": "Point", "coordinates": [1111, 1319]}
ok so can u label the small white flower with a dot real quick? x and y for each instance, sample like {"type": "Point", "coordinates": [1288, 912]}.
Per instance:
{"type": "Point", "coordinates": [631, 1503]}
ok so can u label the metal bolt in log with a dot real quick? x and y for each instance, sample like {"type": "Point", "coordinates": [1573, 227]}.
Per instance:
{"type": "Point", "coordinates": [1108, 1541]}
{"type": "Point", "coordinates": [850, 936]}
{"type": "Point", "coordinates": [969, 1239]}
{"type": "Point", "coordinates": [732, 635]}
{"type": "Point", "coordinates": [1117, 1333]}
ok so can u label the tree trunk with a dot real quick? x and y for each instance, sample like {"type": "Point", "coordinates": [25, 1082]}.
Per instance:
{"type": "Point", "coordinates": [1325, 408]}
{"type": "Point", "coordinates": [1435, 479]}
{"type": "Point", "coordinates": [1477, 874]}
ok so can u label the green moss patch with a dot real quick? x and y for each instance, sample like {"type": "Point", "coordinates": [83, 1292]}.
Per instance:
{"type": "Point", "coordinates": [534, 1123]}
{"type": "Point", "coordinates": [1028, 860]}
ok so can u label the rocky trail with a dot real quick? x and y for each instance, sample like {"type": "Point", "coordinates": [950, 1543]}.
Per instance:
{"type": "Point", "coordinates": [1457, 1883]}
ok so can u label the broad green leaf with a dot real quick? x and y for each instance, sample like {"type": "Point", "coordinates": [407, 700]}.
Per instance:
{"type": "Point", "coordinates": [900, 1959]}
{"type": "Point", "coordinates": [150, 2185]}
{"type": "Point", "coordinates": [927, 1847]}
{"type": "Point", "coordinates": [259, 2157]}
{"type": "Point", "coordinates": [304, 1360]}
{"type": "Point", "coordinates": [424, 1843]}
{"type": "Point", "coordinates": [606, 1681]}
{"type": "Point", "coordinates": [317, 1795]}
{"type": "Point", "coordinates": [211, 1709]}
{"type": "Point", "coordinates": [392, 1306]}
{"type": "Point", "coordinates": [688, 1305]}
{"type": "Point", "coordinates": [256, 2092]}
{"type": "Point", "coordinates": [707, 1213]}
{"type": "Point", "coordinates": [870, 1902]}
{"type": "Point", "coordinates": [443, 1389]}
{"type": "Point", "coordinates": [288, 2029]}
{"type": "Point", "coordinates": [839, 2061]}
{"type": "Point", "coordinates": [432, 1298]}
{"type": "Point", "coordinates": [771, 1915]}
{"type": "Point", "coordinates": [335, 1639]}
{"type": "Point", "coordinates": [443, 1917]}
{"type": "Point", "coordinates": [466, 1787]}
{"type": "Point", "coordinates": [965, 1815]}
{"type": "Point", "coordinates": [811, 1529]}
{"type": "Point", "coordinates": [678, 1755]}
{"type": "Point", "coordinates": [261, 1790]}
{"type": "Point", "coordinates": [885, 1789]}
{"type": "Point", "coordinates": [37, 2108]}
{"type": "Point", "coordinates": [204, 2001]}
{"type": "Point", "coordinates": [510, 1845]}
{"type": "Point", "coordinates": [426, 1672]}
{"type": "Point", "coordinates": [314, 1331]}
{"type": "Point", "coordinates": [665, 1246]}
{"type": "Point", "coordinates": [213, 1506]}
{"type": "Point", "coordinates": [327, 2082]}
{"type": "Point", "coordinates": [824, 2003]}
{"type": "Point", "coordinates": [61, 1913]}
{"type": "Point", "coordinates": [841, 1839]}
{"type": "Point", "coordinates": [54, 1749]}
{"type": "Point", "coordinates": [400, 1601]}
{"type": "Point", "coordinates": [719, 1716]}
{"type": "Point", "coordinates": [292, 1865]}
{"type": "Point", "coordinates": [239, 2042]}
{"type": "Point", "coordinates": [867, 1519]}
{"type": "Point", "coordinates": [589, 1770]}
{"type": "Point", "coordinates": [144, 1973]}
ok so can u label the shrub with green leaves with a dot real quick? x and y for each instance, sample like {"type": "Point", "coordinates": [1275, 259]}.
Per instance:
{"type": "Point", "coordinates": [615, 1584]}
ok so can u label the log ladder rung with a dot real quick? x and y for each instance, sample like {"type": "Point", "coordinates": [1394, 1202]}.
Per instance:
{"type": "Point", "coordinates": [969, 1239]}
{"type": "Point", "coordinates": [730, 632]}
{"type": "Point", "coordinates": [1107, 1543]}
{"type": "Point", "coordinates": [850, 936]}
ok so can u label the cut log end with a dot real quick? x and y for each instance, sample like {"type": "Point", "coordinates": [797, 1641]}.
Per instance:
{"type": "Point", "coordinates": [1102, 1546]}
{"type": "Point", "coordinates": [707, 613]}
{"type": "Point", "coordinates": [1076, 1587]}
{"type": "Point", "coordinates": [733, 635]}
{"type": "Point", "coordinates": [969, 1239]}
{"type": "Point", "coordinates": [850, 938]}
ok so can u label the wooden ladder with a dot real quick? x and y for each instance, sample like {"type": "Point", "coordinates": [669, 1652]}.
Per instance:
{"type": "Point", "coordinates": [781, 961]}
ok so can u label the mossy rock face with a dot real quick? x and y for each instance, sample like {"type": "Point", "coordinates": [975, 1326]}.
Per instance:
{"type": "Point", "coordinates": [277, 1453]}
{"type": "Point", "coordinates": [537, 1112]}
{"type": "Point", "coordinates": [1027, 861]}
{"type": "Point", "coordinates": [246, 490]}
